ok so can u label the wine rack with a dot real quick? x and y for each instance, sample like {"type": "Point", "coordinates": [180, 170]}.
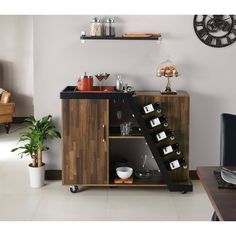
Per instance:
{"type": "Point", "coordinates": [176, 109]}
{"type": "Point", "coordinates": [166, 142]}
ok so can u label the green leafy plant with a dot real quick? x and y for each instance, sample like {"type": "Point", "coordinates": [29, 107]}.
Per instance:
{"type": "Point", "coordinates": [33, 141]}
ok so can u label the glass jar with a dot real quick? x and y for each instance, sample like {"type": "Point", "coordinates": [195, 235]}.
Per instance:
{"type": "Point", "coordinates": [95, 27]}
{"type": "Point", "coordinates": [109, 28]}
{"type": "Point", "coordinates": [113, 31]}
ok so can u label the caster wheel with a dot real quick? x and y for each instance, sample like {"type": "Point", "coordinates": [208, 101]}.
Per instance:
{"type": "Point", "coordinates": [74, 189]}
{"type": "Point", "coordinates": [184, 192]}
{"type": "Point", "coordinates": [214, 217]}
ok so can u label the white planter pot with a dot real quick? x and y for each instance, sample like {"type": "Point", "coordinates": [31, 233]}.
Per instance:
{"type": "Point", "coordinates": [37, 176]}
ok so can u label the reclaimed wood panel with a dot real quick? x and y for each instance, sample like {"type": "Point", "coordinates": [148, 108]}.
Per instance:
{"type": "Point", "coordinates": [176, 110]}
{"type": "Point", "coordinates": [85, 157]}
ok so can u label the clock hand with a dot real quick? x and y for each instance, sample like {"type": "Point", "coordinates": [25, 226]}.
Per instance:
{"type": "Point", "coordinates": [227, 18]}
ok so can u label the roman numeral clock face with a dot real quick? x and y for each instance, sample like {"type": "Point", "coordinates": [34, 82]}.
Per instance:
{"type": "Point", "coordinates": [215, 30]}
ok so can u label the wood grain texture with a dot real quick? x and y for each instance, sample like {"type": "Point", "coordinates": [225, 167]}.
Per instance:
{"type": "Point", "coordinates": [176, 110]}
{"type": "Point", "coordinates": [124, 181]}
{"type": "Point", "coordinates": [86, 156]}
{"type": "Point", "coordinates": [84, 152]}
{"type": "Point", "coordinates": [222, 200]}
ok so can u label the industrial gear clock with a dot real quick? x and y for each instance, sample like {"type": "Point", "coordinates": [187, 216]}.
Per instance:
{"type": "Point", "coordinates": [215, 30]}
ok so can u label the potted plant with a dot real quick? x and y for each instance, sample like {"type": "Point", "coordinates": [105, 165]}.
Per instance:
{"type": "Point", "coordinates": [33, 142]}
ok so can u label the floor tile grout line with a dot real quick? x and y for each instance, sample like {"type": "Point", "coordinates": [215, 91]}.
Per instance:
{"type": "Point", "coordinates": [176, 209]}
{"type": "Point", "coordinates": [37, 207]}
{"type": "Point", "coordinates": [107, 199]}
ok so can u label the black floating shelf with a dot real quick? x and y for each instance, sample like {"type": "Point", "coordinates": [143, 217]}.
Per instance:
{"type": "Point", "coordinates": [118, 38]}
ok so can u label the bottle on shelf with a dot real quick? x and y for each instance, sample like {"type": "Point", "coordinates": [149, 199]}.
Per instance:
{"type": "Point", "coordinates": [176, 164]}
{"type": "Point", "coordinates": [163, 135]}
{"type": "Point", "coordinates": [170, 149]}
{"type": "Point", "coordinates": [157, 121]}
{"type": "Point", "coordinates": [119, 83]}
{"type": "Point", "coordinates": [152, 107]}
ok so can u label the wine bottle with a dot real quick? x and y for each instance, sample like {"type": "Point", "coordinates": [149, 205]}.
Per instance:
{"type": "Point", "coordinates": [163, 135]}
{"type": "Point", "coordinates": [151, 107]}
{"type": "Point", "coordinates": [157, 121]}
{"type": "Point", "coordinates": [176, 164]}
{"type": "Point", "coordinates": [170, 149]}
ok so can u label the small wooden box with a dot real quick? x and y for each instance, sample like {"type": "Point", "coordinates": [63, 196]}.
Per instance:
{"type": "Point", "coordinates": [124, 181]}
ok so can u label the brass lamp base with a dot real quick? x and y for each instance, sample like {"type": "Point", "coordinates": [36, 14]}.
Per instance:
{"type": "Point", "coordinates": [169, 92]}
{"type": "Point", "coordinates": [168, 89]}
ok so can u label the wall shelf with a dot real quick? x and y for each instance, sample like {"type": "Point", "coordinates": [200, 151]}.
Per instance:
{"type": "Point", "coordinates": [119, 38]}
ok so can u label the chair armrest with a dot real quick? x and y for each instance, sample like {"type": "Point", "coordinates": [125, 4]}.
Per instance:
{"type": "Point", "coordinates": [7, 108]}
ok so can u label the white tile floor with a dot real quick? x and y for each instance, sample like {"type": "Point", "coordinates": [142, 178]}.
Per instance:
{"type": "Point", "coordinates": [54, 202]}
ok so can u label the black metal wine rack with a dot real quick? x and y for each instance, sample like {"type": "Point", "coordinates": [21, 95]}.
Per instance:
{"type": "Point", "coordinates": [173, 186]}
{"type": "Point", "coordinates": [165, 142]}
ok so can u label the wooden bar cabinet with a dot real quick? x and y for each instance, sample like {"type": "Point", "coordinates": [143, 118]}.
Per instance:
{"type": "Point", "coordinates": [90, 131]}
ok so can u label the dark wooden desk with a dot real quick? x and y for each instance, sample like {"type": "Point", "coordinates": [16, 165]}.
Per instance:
{"type": "Point", "coordinates": [222, 200]}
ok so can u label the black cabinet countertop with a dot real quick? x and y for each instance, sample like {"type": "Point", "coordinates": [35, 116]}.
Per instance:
{"type": "Point", "coordinates": [70, 93]}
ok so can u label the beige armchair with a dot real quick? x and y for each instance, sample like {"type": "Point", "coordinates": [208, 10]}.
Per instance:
{"type": "Point", "coordinates": [7, 109]}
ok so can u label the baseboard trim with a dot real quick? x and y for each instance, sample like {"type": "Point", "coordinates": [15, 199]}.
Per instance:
{"type": "Point", "coordinates": [57, 175]}
{"type": "Point", "coordinates": [53, 175]}
{"type": "Point", "coordinates": [18, 119]}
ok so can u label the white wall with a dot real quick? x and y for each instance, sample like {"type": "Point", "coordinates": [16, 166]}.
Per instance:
{"type": "Point", "coordinates": [206, 73]}
{"type": "Point", "coordinates": [16, 61]}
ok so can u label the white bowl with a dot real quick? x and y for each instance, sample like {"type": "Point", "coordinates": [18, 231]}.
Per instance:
{"type": "Point", "coordinates": [124, 172]}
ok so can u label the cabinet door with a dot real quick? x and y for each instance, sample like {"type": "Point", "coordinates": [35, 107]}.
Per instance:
{"type": "Point", "coordinates": [85, 129]}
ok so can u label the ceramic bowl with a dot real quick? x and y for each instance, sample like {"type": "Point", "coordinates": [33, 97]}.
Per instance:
{"type": "Point", "coordinates": [228, 176]}
{"type": "Point", "coordinates": [124, 172]}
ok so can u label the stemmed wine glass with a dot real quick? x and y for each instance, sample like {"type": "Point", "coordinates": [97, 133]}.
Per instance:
{"type": "Point", "coordinates": [100, 77]}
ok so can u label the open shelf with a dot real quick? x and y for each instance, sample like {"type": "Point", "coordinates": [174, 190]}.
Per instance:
{"type": "Point", "coordinates": [115, 134]}
{"type": "Point", "coordinates": [153, 181]}
{"type": "Point", "coordinates": [118, 38]}
{"type": "Point", "coordinates": [126, 137]}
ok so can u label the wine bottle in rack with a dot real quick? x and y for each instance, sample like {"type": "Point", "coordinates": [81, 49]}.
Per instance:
{"type": "Point", "coordinates": [157, 121]}
{"type": "Point", "coordinates": [176, 164]}
{"type": "Point", "coordinates": [170, 149]}
{"type": "Point", "coordinates": [163, 135]}
{"type": "Point", "coordinates": [151, 107]}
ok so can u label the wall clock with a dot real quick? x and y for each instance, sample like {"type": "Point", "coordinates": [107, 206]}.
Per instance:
{"type": "Point", "coordinates": [215, 30]}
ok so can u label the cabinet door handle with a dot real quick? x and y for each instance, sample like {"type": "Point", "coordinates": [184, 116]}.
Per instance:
{"type": "Point", "coordinates": [104, 133]}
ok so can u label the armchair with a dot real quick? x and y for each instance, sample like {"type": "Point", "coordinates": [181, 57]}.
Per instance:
{"type": "Point", "coordinates": [7, 109]}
